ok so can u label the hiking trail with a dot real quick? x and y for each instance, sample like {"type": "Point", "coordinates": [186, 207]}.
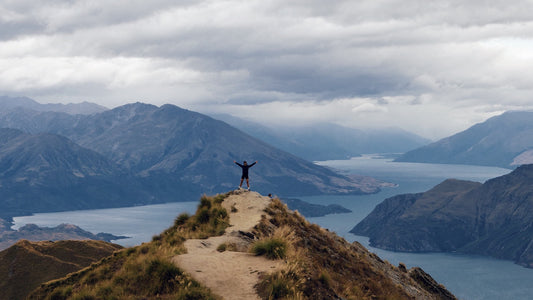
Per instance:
{"type": "Point", "coordinates": [230, 274]}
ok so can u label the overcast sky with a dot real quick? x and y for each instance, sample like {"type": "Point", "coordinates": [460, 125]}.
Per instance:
{"type": "Point", "coordinates": [430, 67]}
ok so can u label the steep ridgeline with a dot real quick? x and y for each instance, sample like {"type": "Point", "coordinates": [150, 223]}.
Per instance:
{"type": "Point", "coordinates": [502, 141]}
{"type": "Point", "coordinates": [493, 218]}
{"type": "Point", "coordinates": [242, 245]}
{"type": "Point", "coordinates": [177, 153]}
{"type": "Point", "coordinates": [324, 141]}
{"type": "Point", "coordinates": [25, 265]}
{"type": "Point", "coordinates": [47, 172]}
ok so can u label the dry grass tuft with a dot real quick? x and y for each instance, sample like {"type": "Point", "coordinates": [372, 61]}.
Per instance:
{"type": "Point", "coordinates": [272, 248]}
{"type": "Point", "coordinates": [227, 247]}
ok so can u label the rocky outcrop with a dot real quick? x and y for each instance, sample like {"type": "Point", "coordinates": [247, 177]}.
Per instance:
{"type": "Point", "coordinates": [493, 218]}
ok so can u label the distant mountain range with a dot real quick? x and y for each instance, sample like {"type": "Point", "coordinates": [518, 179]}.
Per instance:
{"type": "Point", "coordinates": [494, 218]}
{"type": "Point", "coordinates": [503, 141]}
{"type": "Point", "coordinates": [84, 108]}
{"type": "Point", "coordinates": [323, 141]}
{"type": "Point", "coordinates": [141, 154]}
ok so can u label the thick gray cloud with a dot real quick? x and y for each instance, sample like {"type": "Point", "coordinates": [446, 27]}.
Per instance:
{"type": "Point", "coordinates": [429, 67]}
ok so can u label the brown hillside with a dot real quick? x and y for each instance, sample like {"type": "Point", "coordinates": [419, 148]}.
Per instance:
{"type": "Point", "coordinates": [242, 245]}
{"type": "Point", "coordinates": [25, 265]}
{"type": "Point", "coordinates": [322, 265]}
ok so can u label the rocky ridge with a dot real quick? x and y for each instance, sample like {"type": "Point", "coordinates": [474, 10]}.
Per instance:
{"type": "Point", "coordinates": [200, 256]}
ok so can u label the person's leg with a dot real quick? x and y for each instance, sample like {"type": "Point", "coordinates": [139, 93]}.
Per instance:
{"type": "Point", "coordinates": [247, 183]}
{"type": "Point", "coordinates": [240, 184]}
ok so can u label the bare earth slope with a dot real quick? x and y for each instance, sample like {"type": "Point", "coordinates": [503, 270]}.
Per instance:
{"type": "Point", "coordinates": [230, 274]}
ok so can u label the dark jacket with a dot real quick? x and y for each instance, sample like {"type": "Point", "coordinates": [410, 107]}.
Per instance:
{"type": "Point", "coordinates": [245, 169]}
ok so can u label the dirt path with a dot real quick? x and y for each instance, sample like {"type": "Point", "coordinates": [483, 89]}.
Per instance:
{"type": "Point", "coordinates": [230, 274]}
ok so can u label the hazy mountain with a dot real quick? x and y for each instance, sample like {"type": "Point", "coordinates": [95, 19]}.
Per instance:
{"type": "Point", "coordinates": [139, 154]}
{"type": "Point", "coordinates": [323, 141]}
{"type": "Point", "coordinates": [174, 146]}
{"type": "Point", "coordinates": [26, 265]}
{"type": "Point", "coordinates": [309, 262]}
{"type": "Point", "coordinates": [84, 108]}
{"type": "Point", "coordinates": [493, 218]}
{"type": "Point", "coordinates": [48, 172]}
{"type": "Point", "coordinates": [501, 141]}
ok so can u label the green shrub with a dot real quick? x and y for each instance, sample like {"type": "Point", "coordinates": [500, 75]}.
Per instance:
{"type": "Point", "coordinates": [325, 278]}
{"type": "Point", "coordinates": [278, 285]}
{"type": "Point", "coordinates": [131, 251]}
{"type": "Point", "coordinates": [195, 293]}
{"type": "Point", "coordinates": [84, 296]}
{"type": "Point", "coordinates": [272, 248]}
{"type": "Point", "coordinates": [205, 202]}
{"type": "Point", "coordinates": [162, 274]}
{"type": "Point", "coordinates": [219, 198]}
{"type": "Point", "coordinates": [181, 219]}
{"type": "Point", "coordinates": [279, 288]}
{"type": "Point", "coordinates": [203, 216]}
{"type": "Point", "coordinates": [222, 247]}
{"type": "Point", "coordinates": [61, 294]}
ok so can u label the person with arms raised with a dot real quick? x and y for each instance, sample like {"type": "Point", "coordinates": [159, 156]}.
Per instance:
{"type": "Point", "coordinates": [245, 166]}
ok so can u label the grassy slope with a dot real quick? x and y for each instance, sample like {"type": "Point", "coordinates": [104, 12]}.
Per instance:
{"type": "Point", "coordinates": [322, 265]}
{"type": "Point", "coordinates": [145, 271]}
{"type": "Point", "coordinates": [319, 265]}
{"type": "Point", "coordinates": [27, 264]}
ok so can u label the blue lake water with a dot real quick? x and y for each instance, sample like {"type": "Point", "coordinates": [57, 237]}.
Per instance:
{"type": "Point", "coordinates": [140, 223]}
{"type": "Point", "coordinates": [467, 276]}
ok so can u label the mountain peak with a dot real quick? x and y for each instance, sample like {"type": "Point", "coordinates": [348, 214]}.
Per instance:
{"type": "Point", "coordinates": [503, 141]}
{"type": "Point", "coordinates": [242, 245]}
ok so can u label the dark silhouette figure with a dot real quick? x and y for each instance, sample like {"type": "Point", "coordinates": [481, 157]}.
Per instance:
{"type": "Point", "coordinates": [245, 166]}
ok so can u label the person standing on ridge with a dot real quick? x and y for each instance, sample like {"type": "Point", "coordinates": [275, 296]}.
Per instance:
{"type": "Point", "coordinates": [245, 168]}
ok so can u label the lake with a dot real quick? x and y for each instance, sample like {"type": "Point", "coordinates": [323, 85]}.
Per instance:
{"type": "Point", "coordinates": [467, 276]}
